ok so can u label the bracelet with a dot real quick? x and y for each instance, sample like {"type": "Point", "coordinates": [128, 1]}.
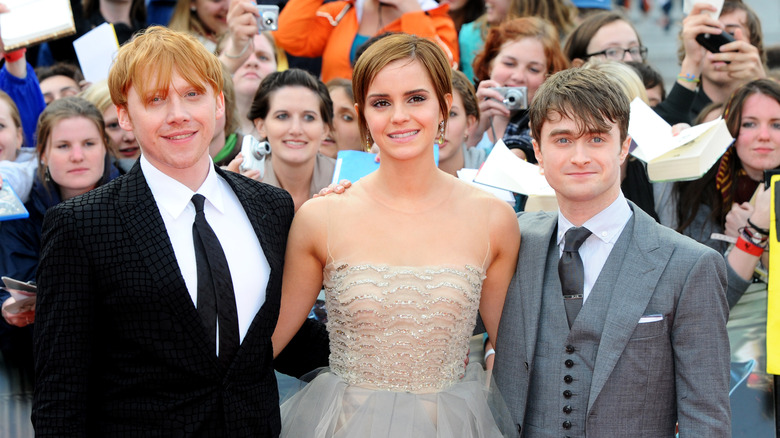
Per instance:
{"type": "Point", "coordinates": [754, 236]}
{"type": "Point", "coordinates": [763, 231]}
{"type": "Point", "coordinates": [489, 353]}
{"type": "Point", "coordinates": [749, 247]}
{"type": "Point", "coordinates": [689, 77]}
{"type": "Point", "coordinates": [240, 55]}
{"type": "Point", "coordinates": [15, 55]}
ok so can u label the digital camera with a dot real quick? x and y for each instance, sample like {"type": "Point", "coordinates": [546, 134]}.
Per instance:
{"type": "Point", "coordinates": [254, 153]}
{"type": "Point", "coordinates": [269, 17]}
{"type": "Point", "coordinates": [515, 98]}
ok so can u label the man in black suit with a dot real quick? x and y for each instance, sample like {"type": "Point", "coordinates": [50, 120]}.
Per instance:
{"type": "Point", "coordinates": [122, 344]}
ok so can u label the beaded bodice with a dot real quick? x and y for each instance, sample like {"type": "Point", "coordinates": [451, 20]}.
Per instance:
{"type": "Point", "coordinates": [400, 328]}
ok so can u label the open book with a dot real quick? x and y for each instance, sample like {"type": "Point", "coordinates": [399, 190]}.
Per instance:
{"type": "Point", "coordinates": [31, 22]}
{"type": "Point", "coordinates": [507, 171]}
{"type": "Point", "coordinates": [686, 156]}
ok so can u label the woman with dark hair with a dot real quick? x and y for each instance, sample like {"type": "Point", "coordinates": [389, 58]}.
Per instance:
{"type": "Point", "coordinates": [293, 112]}
{"type": "Point", "coordinates": [606, 35]}
{"type": "Point", "coordinates": [730, 199]}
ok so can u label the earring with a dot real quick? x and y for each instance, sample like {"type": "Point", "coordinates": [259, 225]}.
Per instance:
{"type": "Point", "coordinates": [369, 142]}
{"type": "Point", "coordinates": [441, 133]}
{"type": "Point", "coordinates": [47, 174]}
{"type": "Point", "coordinates": [193, 8]}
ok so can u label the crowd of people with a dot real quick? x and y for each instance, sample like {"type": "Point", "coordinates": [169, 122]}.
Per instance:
{"type": "Point", "coordinates": [173, 279]}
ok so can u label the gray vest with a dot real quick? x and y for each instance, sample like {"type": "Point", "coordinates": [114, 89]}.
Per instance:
{"type": "Point", "coordinates": [560, 383]}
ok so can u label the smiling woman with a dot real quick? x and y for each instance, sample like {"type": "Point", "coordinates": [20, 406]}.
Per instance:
{"type": "Point", "coordinates": [73, 160]}
{"type": "Point", "coordinates": [402, 301]}
{"type": "Point", "coordinates": [292, 110]}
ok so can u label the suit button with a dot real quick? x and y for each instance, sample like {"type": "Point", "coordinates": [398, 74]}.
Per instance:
{"type": "Point", "coordinates": [570, 349]}
{"type": "Point", "coordinates": [566, 424]}
{"type": "Point", "coordinates": [567, 393]}
{"type": "Point", "coordinates": [567, 409]}
{"type": "Point", "coordinates": [568, 379]}
{"type": "Point", "coordinates": [569, 363]}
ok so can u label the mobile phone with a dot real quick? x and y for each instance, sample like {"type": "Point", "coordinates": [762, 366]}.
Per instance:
{"type": "Point", "coordinates": [768, 177]}
{"type": "Point", "coordinates": [713, 42]}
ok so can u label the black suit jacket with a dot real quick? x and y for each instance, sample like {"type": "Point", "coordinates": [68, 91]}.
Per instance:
{"type": "Point", "coordinates": [119, 347]}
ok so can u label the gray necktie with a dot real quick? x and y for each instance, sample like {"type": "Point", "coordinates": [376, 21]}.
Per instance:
{"type": "Point", "coordinates": [571, 271]}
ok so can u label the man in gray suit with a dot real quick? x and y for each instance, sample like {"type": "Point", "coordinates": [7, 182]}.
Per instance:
{"type": "Point", "coordinates": [635, 341]}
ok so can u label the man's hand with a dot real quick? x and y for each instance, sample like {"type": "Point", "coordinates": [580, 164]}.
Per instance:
{"type": "Point", "coordinates": [337, 189]}
{"type": "Point", "coordinates": [743, 59]}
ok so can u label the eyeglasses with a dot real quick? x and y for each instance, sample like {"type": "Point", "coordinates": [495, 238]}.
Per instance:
{"type": "Point", "coordinates": [618, 53]}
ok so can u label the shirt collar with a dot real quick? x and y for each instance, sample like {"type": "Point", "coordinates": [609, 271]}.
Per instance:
{"type": "Point", "coordinates": [605, 225]}
{"type": "Point", "coordinates": [173, 196]}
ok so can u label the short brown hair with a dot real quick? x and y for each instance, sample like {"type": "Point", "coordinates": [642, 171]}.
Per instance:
{"type": "Point", "coordinates": [153, 55]}
{"type": "Point", "coordinates": [588, 97]}
{"type": "Point", "coordinates": [517, 29]}
{"type": "Point", "coordinates": [397, 47]}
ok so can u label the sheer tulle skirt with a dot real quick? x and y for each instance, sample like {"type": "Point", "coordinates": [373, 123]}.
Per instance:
{"type": "Point", "coordinates": [329, 407]}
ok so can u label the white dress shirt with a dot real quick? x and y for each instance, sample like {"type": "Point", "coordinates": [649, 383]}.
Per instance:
{"type": "Point", "coordinates": [605, 227]}
{"type": "Point", "coordinates": [249, 269]}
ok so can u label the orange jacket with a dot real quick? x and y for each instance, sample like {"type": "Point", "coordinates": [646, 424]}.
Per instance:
{"type": "Point", "coordinates": [310, 28]}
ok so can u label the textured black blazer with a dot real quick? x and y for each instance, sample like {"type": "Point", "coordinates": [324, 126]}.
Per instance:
{"type": "Point", "coordinates": [120, 349]}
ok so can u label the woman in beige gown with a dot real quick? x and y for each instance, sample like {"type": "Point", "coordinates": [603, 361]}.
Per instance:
{"type": "Point", "coordinates": [407, 256]}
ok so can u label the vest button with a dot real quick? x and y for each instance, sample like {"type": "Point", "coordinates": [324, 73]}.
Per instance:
{"type": "Point", "coordinates": [568, 379]}
{"type": "Point", "coordinates": [567, 393]}
{"type": "Point", "coordinates": [567, 409]}
{"type": "Point", "coordinates": [570, 349]}
{"type": "Point", "coordinates": [566, 424]}
{"type": "Point", "coordinates": [569, 363]}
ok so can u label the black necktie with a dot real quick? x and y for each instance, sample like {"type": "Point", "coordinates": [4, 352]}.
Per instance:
{"type": "Point", "coordinates": [571, 271]}
{"type": "Point", "coordinates": [215, 287]}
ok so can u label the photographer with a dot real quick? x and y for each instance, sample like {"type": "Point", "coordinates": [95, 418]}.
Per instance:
{"type": "Point", "coordinates": [711, 77]}
{"type": "Point", "coordinates": [520, 53]}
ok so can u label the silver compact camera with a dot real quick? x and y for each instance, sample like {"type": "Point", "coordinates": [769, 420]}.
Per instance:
{"type": "Point", "coordinates": [515, 98]}
{"type": "Point", "coordinates": [254, 153]}
{"type": "Point", "coordinates": [269, 17]}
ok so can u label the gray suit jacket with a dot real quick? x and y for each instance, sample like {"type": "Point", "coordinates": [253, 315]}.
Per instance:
{"type": "Point", "coordinates": [646, 376]}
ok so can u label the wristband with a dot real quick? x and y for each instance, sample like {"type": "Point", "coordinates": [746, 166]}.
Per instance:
{"type": "Point", "coordinates": [763, 231]}
{"type": "Point", "coordinates": [689, 77]}
{"type": "Point", "coordinates": [489, 353]}
{"type": "Point", "coordinates": [749, 247]}
{"type": "Point", "coordinates": [14, 55]}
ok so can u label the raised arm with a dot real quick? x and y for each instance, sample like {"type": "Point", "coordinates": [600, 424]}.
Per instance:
{"type": "Point", "coordinates": [302, 31]}
{"type": "Point", "coordinates": [302, 278]}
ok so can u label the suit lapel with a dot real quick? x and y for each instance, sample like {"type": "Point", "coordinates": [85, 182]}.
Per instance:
{"type": "Point", "coordinates": [145, 227]}
{"type": "Point", "coordinates": [643, 265]}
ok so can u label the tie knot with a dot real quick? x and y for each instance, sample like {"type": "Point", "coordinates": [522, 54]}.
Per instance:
{"type": "Point", "coordinates": [574, 238]}
{"type": "Point", "coordinates": [199, 200]}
